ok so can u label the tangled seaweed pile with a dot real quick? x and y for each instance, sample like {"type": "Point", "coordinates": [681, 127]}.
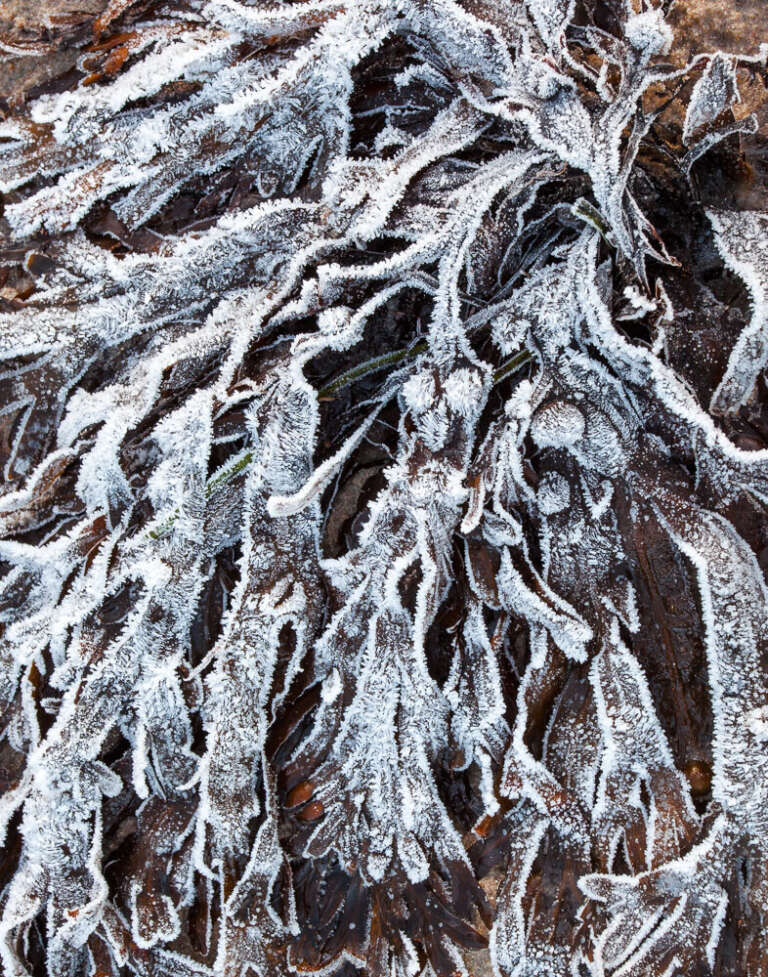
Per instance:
{"type": "Point", "coordinates": [384, 433]}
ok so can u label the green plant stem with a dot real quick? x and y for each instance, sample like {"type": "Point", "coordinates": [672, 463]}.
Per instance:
{"type": "Point", "coordinates": [372, 366]}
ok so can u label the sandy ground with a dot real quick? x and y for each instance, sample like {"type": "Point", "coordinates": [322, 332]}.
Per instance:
{"type": "Point", "coordinates": [726, 25]}
{"type": "Point", "coordinates": [24, 21]}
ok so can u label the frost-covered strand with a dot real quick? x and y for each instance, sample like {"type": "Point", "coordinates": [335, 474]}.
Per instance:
{"type": "Point", "coordinates": [120, 299]}
{"type": "Point", "coordinates": [743, 242]}
{"type": "Point", "coordinates": [635, 751]}
{"type": "Point", "coordinates": [603, 439]}
{"type": "Point", "coordinates": [375, 644]}
{"type": "Point", "coordinates": [131, 680]}
{"type": "Point", "coordinates": [248, 109]}
{"type": "Point", "coordinates": [278, 599]}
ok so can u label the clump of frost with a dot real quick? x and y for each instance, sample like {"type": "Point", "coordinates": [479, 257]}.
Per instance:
{"type": "Point", "coordinates": [342, 448]}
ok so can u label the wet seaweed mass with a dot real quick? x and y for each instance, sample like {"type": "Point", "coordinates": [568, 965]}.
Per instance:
{"type": "Point", "coordinates": [384, 438]}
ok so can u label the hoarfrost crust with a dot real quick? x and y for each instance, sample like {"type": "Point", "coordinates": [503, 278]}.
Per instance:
{"type": "Point", "coordinates": [361, 520]}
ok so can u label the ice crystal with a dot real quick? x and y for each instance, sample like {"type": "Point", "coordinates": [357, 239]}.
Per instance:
{"type": "Point", "coordinates": [385, 461]}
